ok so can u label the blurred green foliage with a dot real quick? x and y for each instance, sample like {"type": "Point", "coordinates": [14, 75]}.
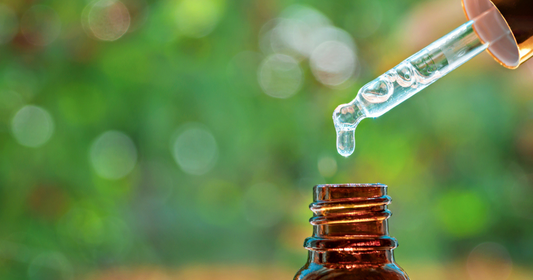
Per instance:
{"type": "Point", "coordinates": [457, 157]}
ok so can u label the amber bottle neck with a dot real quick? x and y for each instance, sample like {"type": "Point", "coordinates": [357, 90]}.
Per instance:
{"type": "Point", "coordinates": [350, 225]}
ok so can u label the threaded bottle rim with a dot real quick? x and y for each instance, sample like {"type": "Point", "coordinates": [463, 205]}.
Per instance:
{"type": "Point", "coordinates": [333, 192]}
{"type": "Point", "coordinates": [350, 217]}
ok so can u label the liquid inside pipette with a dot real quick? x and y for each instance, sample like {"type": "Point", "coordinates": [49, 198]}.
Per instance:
{"type": "Point", "coordinates": [400, 80]}
{"type": "Point", "coordinates": [403, 81]}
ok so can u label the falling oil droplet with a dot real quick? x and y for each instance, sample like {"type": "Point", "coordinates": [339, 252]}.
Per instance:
{"type": "Point", "coordinates": [345, 142]}
{"type": "Point", "coordinates": [345, 118]}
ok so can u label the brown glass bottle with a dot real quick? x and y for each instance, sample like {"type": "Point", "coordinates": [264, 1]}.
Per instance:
{"type": "Point", "coordinates": [350, 235]}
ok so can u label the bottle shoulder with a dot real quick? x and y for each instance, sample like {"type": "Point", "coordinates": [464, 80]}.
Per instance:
{"type": "Point", "coordinates": [389, 271]}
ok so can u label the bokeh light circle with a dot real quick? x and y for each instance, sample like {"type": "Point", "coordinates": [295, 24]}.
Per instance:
{"type": "Point", "coordinates": [265, 36]}
{"type": "Point", "coordinates": [32, 126]}
{"type": "Point", "coordinates": [280, 76]}
{"type": "Point", "coordinates": [195, 149]}
{"type": "Point", "coordinates": [197, 18]}
{"type": "Point", "coordinates": [303, 32]}
{"type": "Point", "coordinates": [333, 63]}
{"type": "Point", "coordinates": [113, 155]}
{"type": "Point", "coordinates": [332, 33]}
{"type": "Point", "coordinates": [108, 20]}
{"type": "Point", "coordinates": [327, 166]}
{"type": "Point", "coordinates": [309, 15]}
{"type": "Point", "coordinates": [293, 33]}
{"type": "Point", "coordinates": [8, 24]}
{"type": "Point", "coordinates": [83, 226]}
{"type": "Point", "coordinates": [489, 261]}
{"type": "Point", "coordinates": [462, 213]}
{"type": "Point", "coordinates": [290, 36]}
{"type": "Point", "coordinates": [264, 204]}
{"type": "Point", "coordinates": [40, 25]}
{"type": "Point", "coordinates": [307, 21]}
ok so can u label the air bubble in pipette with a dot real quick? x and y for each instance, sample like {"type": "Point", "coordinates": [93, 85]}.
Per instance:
{"type": "Point", "coordinates": [377, 91]}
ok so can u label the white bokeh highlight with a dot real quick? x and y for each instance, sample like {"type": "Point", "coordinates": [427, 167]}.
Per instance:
{"type": "Point", "coordinates": [280, 76]}
{"type": "Point", "coordinates": [304, 33]}
{"type": "Point", "coordinates": [113, 155]}
{"type": "Point", "coordinates": [198, 18]}
{"type": "Point", "coordinates": [106, 20]}
{"type": "Point", "coordinates": [333, 63]}
{"type": "Point", "coordinates": [294, 32]}
{"type": "Point", "coordinates": [195, 149]}
{"type": "Point", "coordinates": [32, 126]}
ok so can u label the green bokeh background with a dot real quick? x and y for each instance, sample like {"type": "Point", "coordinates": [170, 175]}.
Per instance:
{"type": "Point", "coordinates": [457, 157]}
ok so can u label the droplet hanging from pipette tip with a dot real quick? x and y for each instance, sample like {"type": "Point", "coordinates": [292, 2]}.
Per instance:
{"type": "Point", "coordinates": [345, 142]}
{"type": "Point", "coordinates": [345, 118]}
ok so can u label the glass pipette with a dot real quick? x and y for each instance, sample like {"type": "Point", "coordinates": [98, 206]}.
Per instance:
{"type": "Point", "coordinates": [411, 76]}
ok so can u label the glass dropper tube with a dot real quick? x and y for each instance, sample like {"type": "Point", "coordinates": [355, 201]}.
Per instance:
{"type": "Point", "coordinates": [407, 78]}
